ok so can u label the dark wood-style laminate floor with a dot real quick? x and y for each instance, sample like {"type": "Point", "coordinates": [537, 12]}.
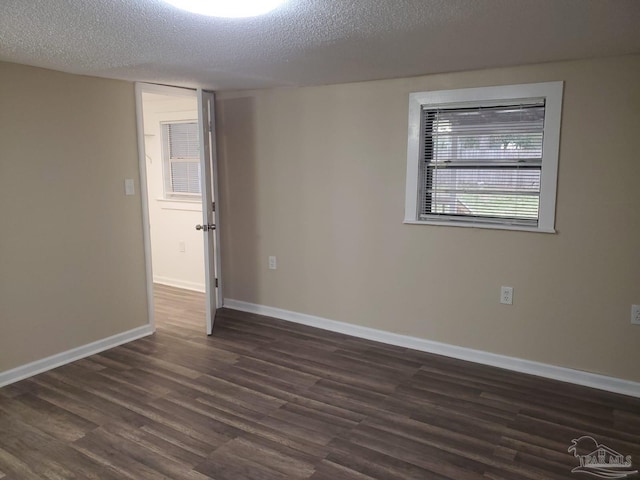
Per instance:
{"type": "Point", "coordinates": [265, 399]}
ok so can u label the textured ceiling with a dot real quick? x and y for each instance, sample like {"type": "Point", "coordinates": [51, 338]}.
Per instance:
{"type": "Point", "coordinates": [310, 42]}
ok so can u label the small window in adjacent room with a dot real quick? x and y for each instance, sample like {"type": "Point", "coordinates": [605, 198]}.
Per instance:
{"type": "Point", "coordinates": [181, 153]}
{"type": "Point", "coordinates": [484, 157]}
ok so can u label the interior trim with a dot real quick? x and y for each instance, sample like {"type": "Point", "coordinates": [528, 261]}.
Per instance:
{"type": "Point", "coordinates": [62, 358]}
{"type": "Point", "coordinates": [177, 283]}
{"type": "Point", "coordinates": [563, 374]}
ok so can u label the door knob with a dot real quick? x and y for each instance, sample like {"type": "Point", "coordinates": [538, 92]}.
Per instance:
{"type": "Point", "coordinates": [205, 227]}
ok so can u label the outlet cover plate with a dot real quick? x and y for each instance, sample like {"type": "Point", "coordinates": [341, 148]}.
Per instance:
{"type": "Point", "coordinates": [635, 314]}
{"type": "Point", "coordinates": [506, 295]}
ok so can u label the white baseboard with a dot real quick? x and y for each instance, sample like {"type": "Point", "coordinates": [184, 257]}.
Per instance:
{"type": "Point", "coordinates": [59, 359]}
{"type": "Point", "coordinates": [175, 282]}
{"type": "Point", "coordinates": [594, 380]}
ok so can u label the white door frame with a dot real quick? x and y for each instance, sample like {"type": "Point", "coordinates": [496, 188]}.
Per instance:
{"type": "Point", "coordinates": [141, 88]}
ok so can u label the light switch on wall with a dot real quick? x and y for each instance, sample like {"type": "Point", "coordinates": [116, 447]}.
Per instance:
{"type": "Point", "coordinates": [129, 189]}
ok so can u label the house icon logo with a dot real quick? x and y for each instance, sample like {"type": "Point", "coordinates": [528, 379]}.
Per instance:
{"type": "Point", "coordinates": [599, 460]}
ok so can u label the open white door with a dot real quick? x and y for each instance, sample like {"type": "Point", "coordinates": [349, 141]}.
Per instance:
{"type": "Point", "coordinates": [210, 226]}
{"type": "Point", "coordinates": [208, 170]}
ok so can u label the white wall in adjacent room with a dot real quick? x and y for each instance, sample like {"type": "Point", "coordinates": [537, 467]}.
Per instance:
{"type": "Point", "coordinates": [172, 222]}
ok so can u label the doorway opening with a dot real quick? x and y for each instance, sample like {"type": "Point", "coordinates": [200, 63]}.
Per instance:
{"type": "Point", "coordinates": [176, 138]}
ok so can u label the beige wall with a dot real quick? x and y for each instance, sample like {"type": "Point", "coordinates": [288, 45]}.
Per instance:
{"type": "Point", "coordinates": [316, 176]}
{"type": "Point", "coordinates": [71, 249]}
{"type": "Point", "coordinates": [172, 222]}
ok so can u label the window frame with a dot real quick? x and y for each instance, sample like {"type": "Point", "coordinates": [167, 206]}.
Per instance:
{"type": "Point", "coordinates": [551, 92]}
{"type": "Point", "coordinates": [168, 192]}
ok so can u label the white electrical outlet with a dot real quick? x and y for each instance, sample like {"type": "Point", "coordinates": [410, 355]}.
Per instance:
{"type": "Point", "coordinates": [635, 314]}
{"type": "Point", "coordinates": [506, 295]}
{"type": "Point", "coordinates": [182, 247]}
{"type": "Point", "coordinates": [272, 263]}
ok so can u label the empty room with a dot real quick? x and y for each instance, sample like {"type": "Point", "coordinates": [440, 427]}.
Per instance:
{"type": "Point", "coordinates": [319, 239]}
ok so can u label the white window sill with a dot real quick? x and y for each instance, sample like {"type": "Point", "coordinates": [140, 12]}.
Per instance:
{"type": "Point", "coordinates": [491, 226]}
{"type": "Point", "coordinates": [185, 205]}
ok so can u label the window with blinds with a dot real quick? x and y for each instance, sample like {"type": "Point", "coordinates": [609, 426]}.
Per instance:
{"type": "Point", "coordinates": [482, 163]}
{"type": "Point", "coordinates": [484, 157]}
{"type": "Point", "coordinates": [181, 159]}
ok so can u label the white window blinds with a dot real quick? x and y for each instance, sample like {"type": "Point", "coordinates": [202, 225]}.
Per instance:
{"type": "Point", "coordinates": [482, 164]}
{"type": "Point", "coordinates": [182, 159]}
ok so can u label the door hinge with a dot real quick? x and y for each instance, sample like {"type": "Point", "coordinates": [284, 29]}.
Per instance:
{"type": "Point", "coordinates": [213, 206]}
{"type": "Point", "coordinates": [216, 283]}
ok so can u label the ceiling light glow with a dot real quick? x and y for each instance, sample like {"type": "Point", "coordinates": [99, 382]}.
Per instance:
{"type": "Point", "coordinates": [227, 8]}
